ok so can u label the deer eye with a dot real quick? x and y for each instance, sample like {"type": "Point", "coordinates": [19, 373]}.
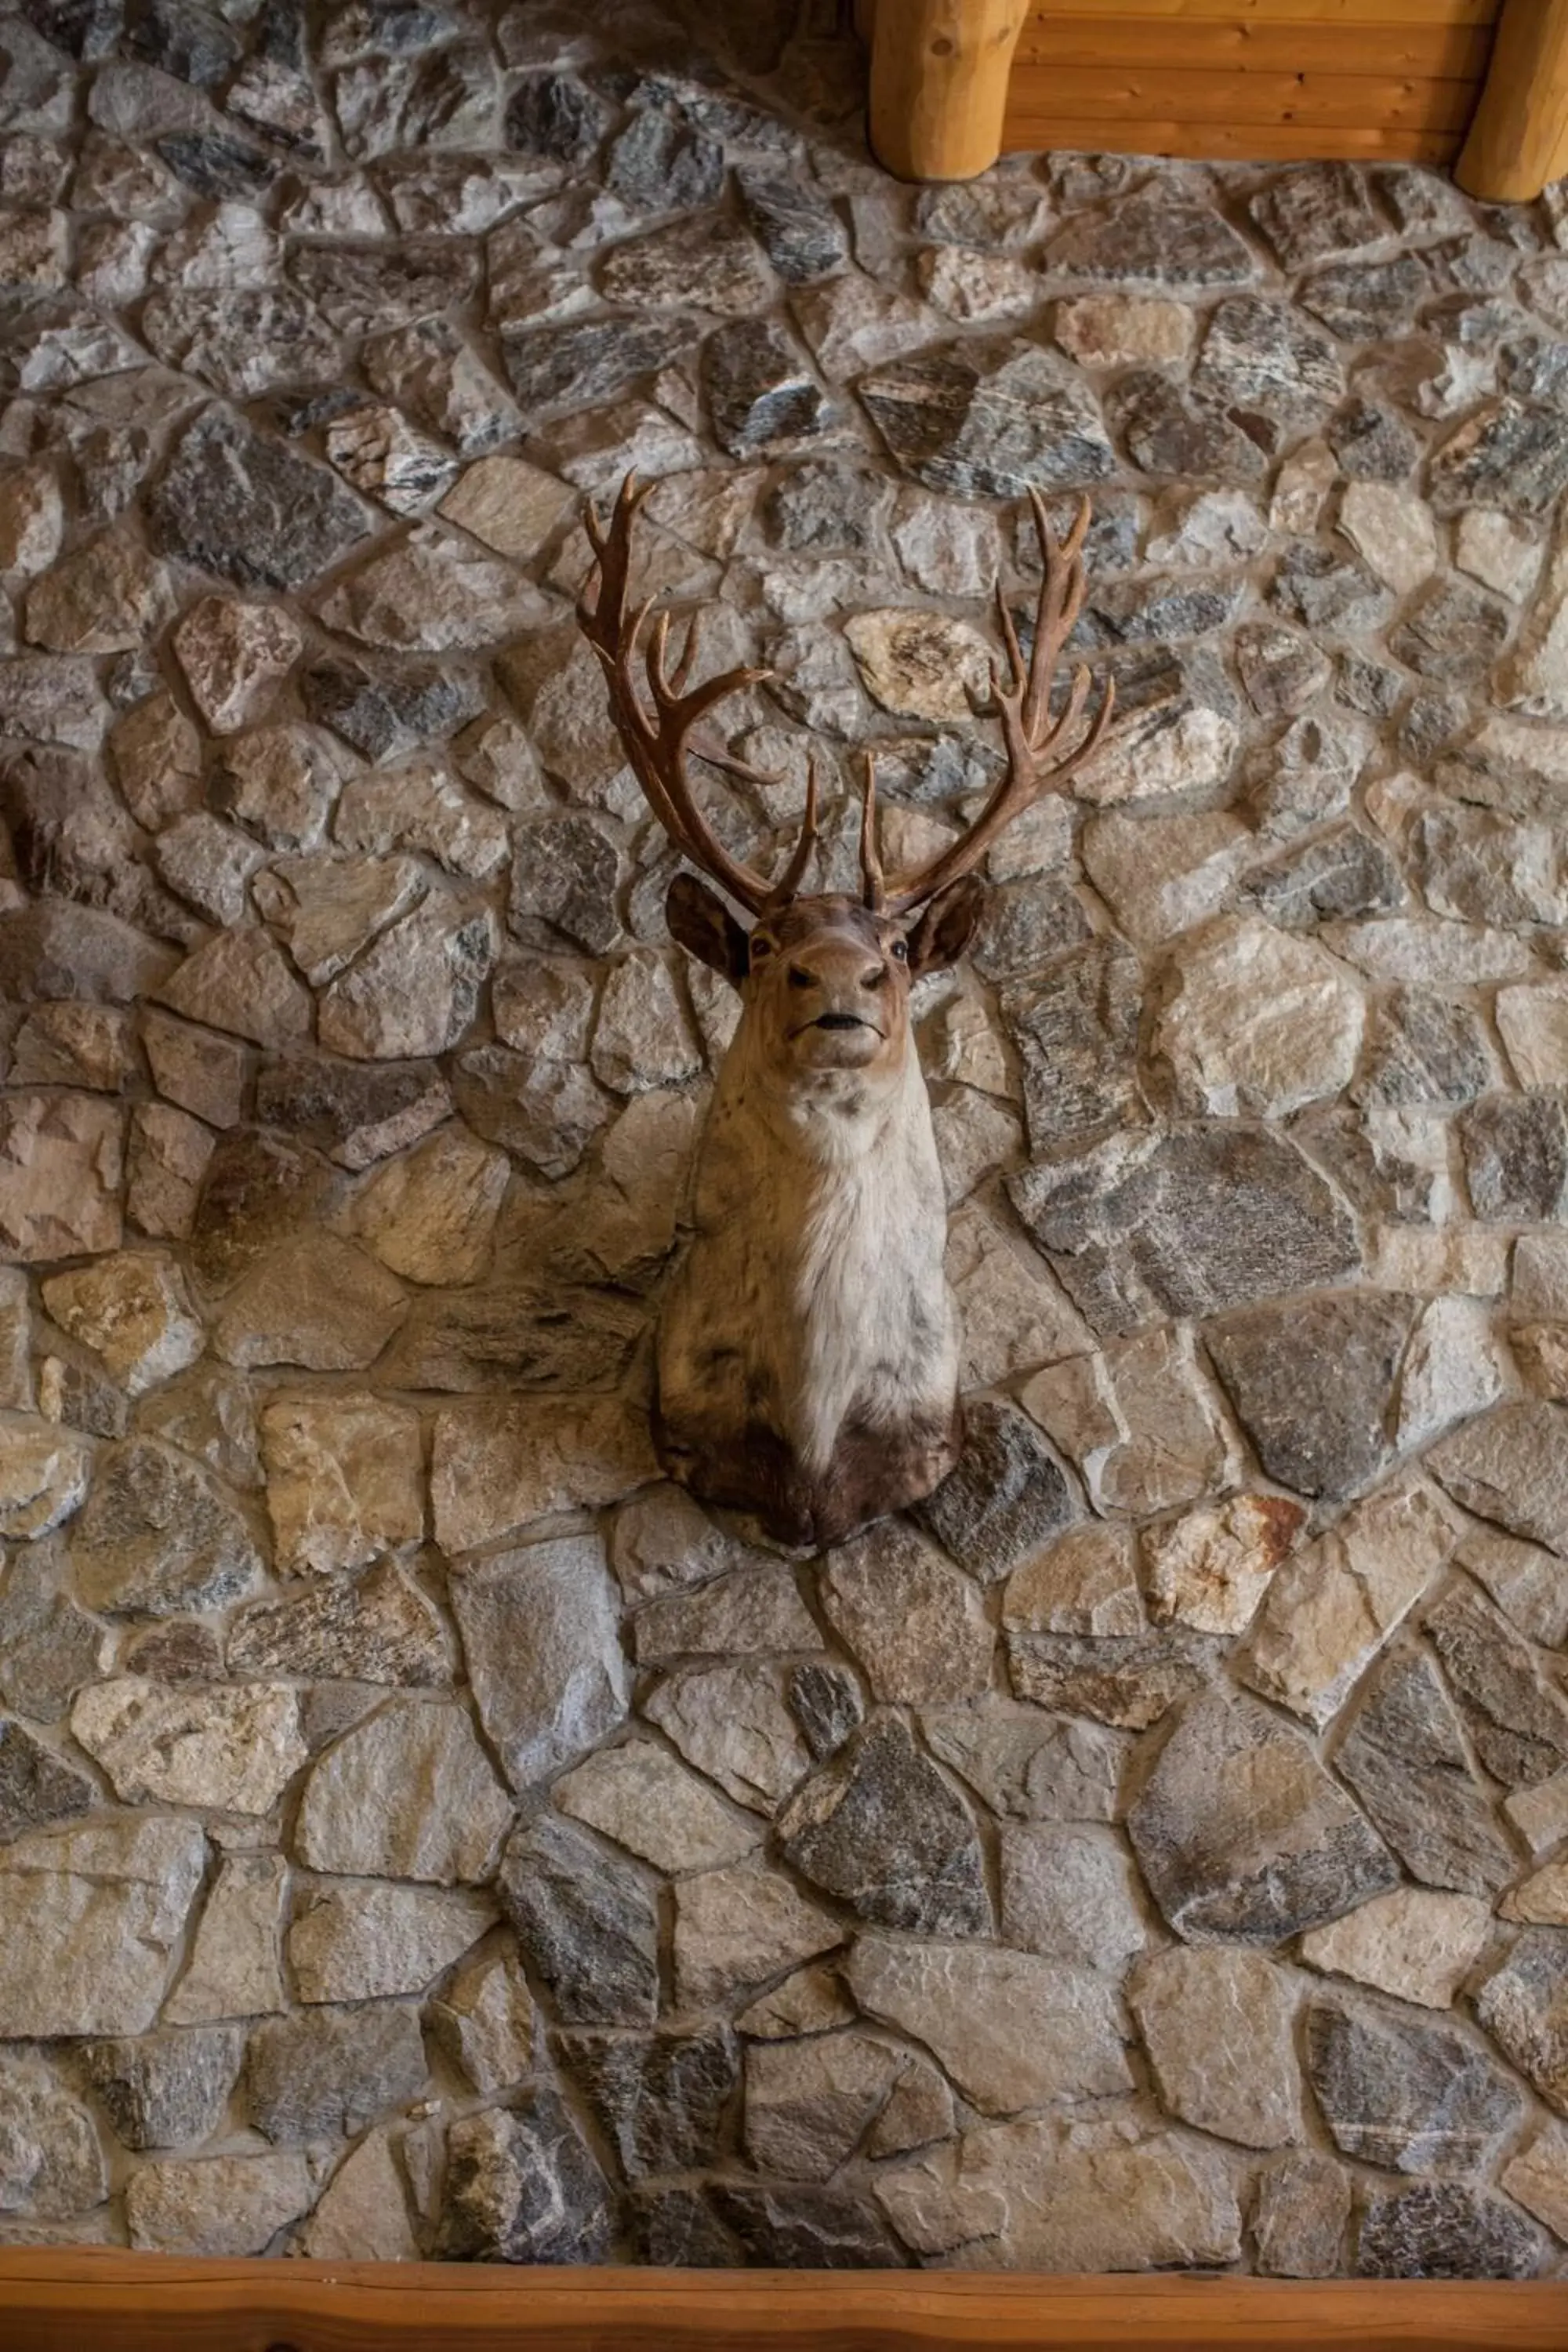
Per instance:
{"type": "Point", "coordinates": [760, 950]}
{"type": "Point", "coordinates": [900, 951]}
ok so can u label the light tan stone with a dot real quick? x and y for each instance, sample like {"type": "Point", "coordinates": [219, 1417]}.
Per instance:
{"type": "Point", "coordinates": [1217, 2027]}
{"type": "Point", "coordinates": [1082, 1583]}
{"type": "Point", "coordinates": [917, 1624]}
{"type": "Point", "coordinates": [362, 2214]}
{"type": "Point", "coordinates": [499, 1464]}
{"type": "Point", "coordinates": [168, 1159]}
{"type": "Point", "coordinates": [233, 2205]}
{"type": "Point", "coordinates": [1538, 2178]}
{"type": "Point", "coordinates": [345, 1480]}
{"type": "Point", "coordinates": [1211, 1568]}
{"type": "Point", "coordinates": [1259, 1022]}
{"type": "Point", "coordinates": [93, 1918]}
{"type": "Point", "coordinates": [61, 1157]}
{"type": "Point", "coordinates": [363, 1943]}
{"type": "Point", "coordinates": [235, 1749]}
{"type": "Point", "coordinates": [1114, 331]}
{"type": "Point", "coordinates": [430, 1214]}
{"type": "Point", "coordinates": [234, 1968]}
{"type": "Point", "coordinates": [920, 664]}
{"type": "Point", "coordinates": [510, 505]}
{"type": "Point", "coordinates": [235, 656]}
{"type": "Point", "coordinates": [484, 2021]}
{"type": "Point", "coordinates": [408, 1793]}
{"type": "Point", "coordinates": [1330, 1611]}
{"type": "Point", "coordinates": [239, 982]}
{"type": "Point", "coordinates": [44, 1472]}
{"type": "Point", "coordinates": [132, 1310]}
{"type": "Point", "coordinates": [1014, 1314]}
{"type": "Point", "coordinates": [737, 1928]}
{"type": "Point", "coordinates": [1416, 1943]}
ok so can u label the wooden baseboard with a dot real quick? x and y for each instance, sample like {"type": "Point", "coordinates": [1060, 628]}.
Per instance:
{"type": "Point", "coordinates": [55, 2301]}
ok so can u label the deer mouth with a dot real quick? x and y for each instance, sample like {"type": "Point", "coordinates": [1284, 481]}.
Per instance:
{"type": "Point", "coordinates": [837, 1021]}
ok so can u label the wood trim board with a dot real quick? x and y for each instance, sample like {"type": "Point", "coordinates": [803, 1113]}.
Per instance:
{"type": "Point", "coordinates": [55, 2300]}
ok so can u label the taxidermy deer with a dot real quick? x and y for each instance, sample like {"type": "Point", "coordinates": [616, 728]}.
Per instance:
{"type": "Point", "coordinates": [807, 1359]}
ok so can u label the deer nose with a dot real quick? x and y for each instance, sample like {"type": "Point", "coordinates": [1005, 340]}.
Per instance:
{"type": "Point", "coordinates": [800, 977]}
{"type": "Point", "coordinates": [876, 978]}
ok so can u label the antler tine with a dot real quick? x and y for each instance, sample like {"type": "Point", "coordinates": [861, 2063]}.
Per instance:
{"type": "Point", "coordinates": [1021, 700]}
{"type": "Point", "coordinates": [790, 880]}
{"type": "Point", "coordinates": [657, 740]}
{"type": "Point", "coordinates": [870, 856]}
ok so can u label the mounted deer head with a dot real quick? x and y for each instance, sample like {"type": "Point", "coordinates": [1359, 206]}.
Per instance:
{"type": "Point", "coordinates": [808, 1351]}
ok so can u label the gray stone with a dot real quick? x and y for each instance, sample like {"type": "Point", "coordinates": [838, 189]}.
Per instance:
{"type": "Point", "coordinates": [37, 1786]}
{"type": "Point", "coordinates": [1008, 1496]}
{"type": "Point", "coordinates": [731, 1722]}
{"type": "Point", "coordinates": [1261, 355]}
{"type": "Point", "coordinates": [826, 1703]}
{"type": "Point", "coordinates": [818, 2229]}
{"type": "Point", "coordinates": [803, 235]}
{"type": "Point", "coordinates": [157, 1535]}
{"type": "Point", "coordinates": [540, 1629]}
{"type": "Point", "coordinates": [1173, 437]}
{"type": "Point", "coordinates": [662, 162]}
{"type": "Point", "coordinates": [1417, 2097]}
{"type": "Point", "coordinates": [1200, 1220]}
{"type": "Point", "coordinates": [1222, 1871]}
{"type": "Point", "coordinates": [94, 1920]}
{"type": "Point", "coordinates": [1516, 1158]}
{"type": "Point", "coordinates": [883, 1831]}
{"type": "Point", "coordinates": [556, 370]}
{"type": "Point", "coordinates": [1030, 1765]}
{"type": "Point", "coordinates": [1512, 1466]}
{"type": "Point", "coordinates": [754, 1609]}
{"type": "Point", "coordinates": [1445, 2230]}
{"type": "Point", "coordinates": [917, 1626]}
{"type": "Point", "coordinates": [1507, 456]}
{"type": "Point", "coordinates": [408, 1793]}
{"type": "Point", "coordinates": [415, 990]}
{"type": "Point", "coordinates": [1304, 2203]}
{"type": "Point", "coordinates": [326, 2072]}
{"type": "Point", "coordinates": [1321, 1427]}
{"type": "Point", "coordinates": [1425, 1048]}
{"type": "Point", "coordinates": [808, 2103]}
{"type": "Point", "coordinates": [1404, 1757]}
{"type": "Point", "coordinates": [51, 2166]}
{"type": "Point", "coordinates": [374, 1628]}
{"type": "Point", "coordinates": [586, 1923]}
{"type": "Point", "coordinates": [166, 2090]}
{"type": "Point", "coordinates": [444, 97]}
{"type": "Point", "coordinates": [1153, 238]}
{"type": "Point", "coordinates": [554, 118]}
{"type": "Point", "coordinates": [385, 711]}
{"type": "Point", "coordinates": [1076, 1028]}
{"type": "Point", "coordinates": [1455, 633]}
{"type": "Point", "coordinates": [1523, 2004]}
{"type": "Point", "coordinates": [234, 1968]}
{"type": "Point", "coordinates": [1363, 301]}
{"type": "Point", "coordinates": [1338, 874]}
{"type": "Point", "coordinates": [1011, 2030]}
{"type": "Point", "coordinates": [564, 880]}
{"type": "Point", "coordinates": [989, 420]}
{"type": "Point", "coordinates": [762, 398]}
{"type": "Point", "coordinates": [250, 510]}
{"type": "Point", "coordinates": [1315, 212]}
{"type": "Point", "coordinates": [354, 1112]}
{"type": "Point", "coordinates": [49, 1646]}
{"type": "Point", "coordinates": [659, 2098]}
{"type": "Point", "coordinates": [1518, 1723]}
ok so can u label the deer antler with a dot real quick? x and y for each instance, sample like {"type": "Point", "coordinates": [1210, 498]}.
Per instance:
{"type": "Point", "coordinates": [1022, 700]}
{"type": "Point", "coordinates": [658, 741]}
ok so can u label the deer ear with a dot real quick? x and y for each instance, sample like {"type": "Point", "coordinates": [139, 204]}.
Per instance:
{"type": "Point", "coordinates": [947, 926]}
{"type": "Point", "coordinates": [702, 924]}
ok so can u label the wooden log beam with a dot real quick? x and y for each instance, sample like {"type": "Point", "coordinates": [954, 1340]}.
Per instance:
{"type": "Point", "coordinates": [1519, 137]}
{"type": "Point", "coordinates": [938, 84]}
{"type": "Point", "coordinates": [58, 2299]}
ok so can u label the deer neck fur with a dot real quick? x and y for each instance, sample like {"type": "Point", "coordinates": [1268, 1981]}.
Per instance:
{"type": "Point", "coordinates": [813, 1296]}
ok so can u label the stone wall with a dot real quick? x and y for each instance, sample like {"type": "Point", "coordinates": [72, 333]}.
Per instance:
{"type": "Point", "coordinates": [421, 1829]}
